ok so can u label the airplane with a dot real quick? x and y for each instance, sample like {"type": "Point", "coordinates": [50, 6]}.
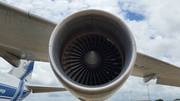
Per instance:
{"type": "Point", "coordinates": [91, 52]}
{"type": "Point", "coordinates": [14, 85]}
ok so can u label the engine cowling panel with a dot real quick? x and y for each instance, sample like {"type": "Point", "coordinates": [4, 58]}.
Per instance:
{"type": "Point", "coordinates": [92, 53]}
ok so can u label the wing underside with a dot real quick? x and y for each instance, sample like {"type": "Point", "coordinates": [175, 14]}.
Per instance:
{"type": "Point", "coordinates": [151, 68]}
{"type": "Point", "coordinates": [23, 35]}
{"type": "Point", "coordinates": [41, 89]}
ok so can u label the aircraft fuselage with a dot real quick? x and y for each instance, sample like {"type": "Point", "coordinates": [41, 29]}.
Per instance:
{"type": "Point", "coordinates": [12, 88]}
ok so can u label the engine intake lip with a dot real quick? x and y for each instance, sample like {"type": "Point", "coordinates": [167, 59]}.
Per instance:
{"type": "Point", "coordinates": [98, 21]}
{"type": "Point", "coordinates": [92, 59]}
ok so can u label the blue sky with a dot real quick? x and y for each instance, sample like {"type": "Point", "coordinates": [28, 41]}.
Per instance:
{"type": "Point", "coordinates": [134, 16]}
{"type": "Point", "coordinates": [155, 26]}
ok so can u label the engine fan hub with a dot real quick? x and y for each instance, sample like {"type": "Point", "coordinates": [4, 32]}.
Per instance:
{"type": "Point", "coordinates": [92, 59]}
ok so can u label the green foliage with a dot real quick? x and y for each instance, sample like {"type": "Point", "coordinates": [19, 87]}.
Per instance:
{"type": "Point", "coordinates": [159, 100]}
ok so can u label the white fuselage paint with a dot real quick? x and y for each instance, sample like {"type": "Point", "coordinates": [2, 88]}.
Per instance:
{"type": "Point", "coordinates": [10, 88]}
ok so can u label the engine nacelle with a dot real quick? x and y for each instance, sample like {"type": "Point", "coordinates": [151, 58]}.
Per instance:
{"type": "Point", "coordinates": [92, 53]}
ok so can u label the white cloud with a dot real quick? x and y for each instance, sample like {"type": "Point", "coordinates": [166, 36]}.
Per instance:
{"type": "Point", "coordinates": [157, 35]}
{"type": "Point", "coordinates": [5, 66]}
{"type": "Point", "coordinates": [42, 74]}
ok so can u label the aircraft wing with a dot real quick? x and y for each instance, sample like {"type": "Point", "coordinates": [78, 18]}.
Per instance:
{"type": "Point", "coordinates": [151, 68]}
{"type": "Point", "coordinates": [23, 35]}
{"type": "Point", "coordinates": [42, 89]}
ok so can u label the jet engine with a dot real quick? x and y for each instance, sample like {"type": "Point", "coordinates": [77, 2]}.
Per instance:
{"type": "Point", "coordinates": [92, 53]}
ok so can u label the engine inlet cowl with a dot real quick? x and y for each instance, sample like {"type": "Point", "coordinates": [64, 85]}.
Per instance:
{"type": "Point", "coordinates": [92, 60]}
{"type": "Point", "coordinates": [92, 53]}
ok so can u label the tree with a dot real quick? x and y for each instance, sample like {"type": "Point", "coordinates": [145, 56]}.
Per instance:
{"type": "Point", "coordinates": [176, 99]}
{"type": "Point", "coordinates": [159, 100]}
